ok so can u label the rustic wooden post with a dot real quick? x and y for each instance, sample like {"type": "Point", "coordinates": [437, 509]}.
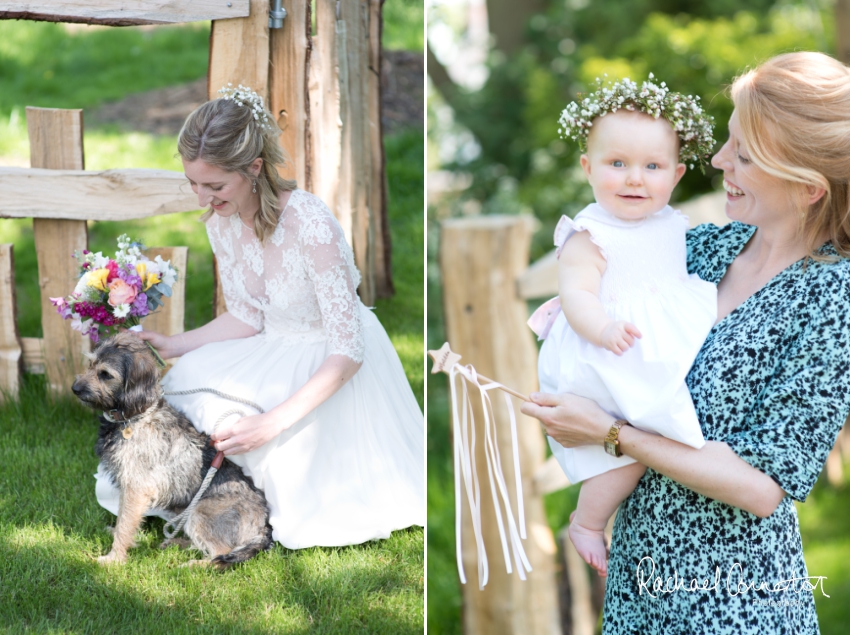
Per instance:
{"type": "Point", "coordinates": [577, 614]}
{"type": "Point", "coordinates": [11, 352]}
{"type": "Point", "coordinates": [56, 142]}
{"type": "Point", "coordinates": [480, 259]}
{"type": "Point", "coordinates": [288, 101]}
{"type": "Point", "coordinates": [239, 54]}
{"type": "Point", "coordinates": [325, 126]}
{"type": "Point", "coordinates": [378, 196]}
{"type": "Point", "coordinates": [356, 167]}
{"type": "Point", "coordinates": [325, 94]}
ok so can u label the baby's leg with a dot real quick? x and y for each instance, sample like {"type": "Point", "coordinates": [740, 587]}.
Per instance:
{"type": "Point", "coordinates": [598, 500]}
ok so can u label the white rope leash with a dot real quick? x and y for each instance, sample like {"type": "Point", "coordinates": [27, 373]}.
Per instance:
{"type": "Point", "coordinates": [176, 524]}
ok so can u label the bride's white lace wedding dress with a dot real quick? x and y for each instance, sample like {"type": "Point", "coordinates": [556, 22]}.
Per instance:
{"type": "Point", "coordinates": [353, 469]}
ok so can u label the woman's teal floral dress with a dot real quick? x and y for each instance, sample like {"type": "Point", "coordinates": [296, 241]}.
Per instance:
{"type": "Point", "coordinates": [773, 382]}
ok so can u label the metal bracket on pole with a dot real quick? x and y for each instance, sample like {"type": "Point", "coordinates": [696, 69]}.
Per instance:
{"type": "Point", "coordinates": [276, 15]}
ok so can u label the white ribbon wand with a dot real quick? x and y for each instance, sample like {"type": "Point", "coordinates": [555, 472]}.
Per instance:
{"type": "Point", "coordinates": [446, 361]}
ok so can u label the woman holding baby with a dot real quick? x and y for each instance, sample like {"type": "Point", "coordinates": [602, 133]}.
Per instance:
{"type": "Point", "coordinates": [708, 541]}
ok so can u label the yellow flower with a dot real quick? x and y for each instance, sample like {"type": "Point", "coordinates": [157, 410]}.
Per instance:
{"type": "Point", "coordinates": [152, 279]}
{"type": "Point", "coordinates": [97, 279]}
{"type": "Point", "coordinates": [148, 279]}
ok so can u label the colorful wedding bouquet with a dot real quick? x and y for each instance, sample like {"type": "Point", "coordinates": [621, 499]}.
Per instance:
{"type": "Point", "coordinates": [116, 292]}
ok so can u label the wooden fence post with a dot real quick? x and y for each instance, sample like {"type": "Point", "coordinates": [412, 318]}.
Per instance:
{"type": "Point", "coordinates": [378, 197]}
{"type": "Point", "coordinates": [239, 54]}
{"type": "Point", "coordinates": [11, 353]}
{"type": "Point", "coordinates": [288, 63]}
{"type": "Point", "coordinates": [56, 143]}
{"type": "Point", "coordinates": [356, 167]}
{"type": "Point", "coordinates": [326, 126]}
{"type": "Point", "coordinates": [480, 259]}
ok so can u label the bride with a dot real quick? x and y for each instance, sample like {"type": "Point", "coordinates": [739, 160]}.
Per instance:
{"type": "Point", "coordinates": [339, 450]}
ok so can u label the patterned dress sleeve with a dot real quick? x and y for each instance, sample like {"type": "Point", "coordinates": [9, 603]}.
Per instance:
{"type": "Point", "coordinates": [796, 417]}
{"type": "Point", "coordinates": [232, 278]}
{"type": "Point", "coordinates": [709, 245]}
{"type": "Point", "coordinates": [330, 265]}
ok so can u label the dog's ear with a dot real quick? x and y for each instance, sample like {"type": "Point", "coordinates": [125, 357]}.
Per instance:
{"type": "Point", "coordinates": [140, 380]}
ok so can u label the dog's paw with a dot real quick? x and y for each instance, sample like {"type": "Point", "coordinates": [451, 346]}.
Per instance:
{"type": "Point", "coordinates": [112, 558]}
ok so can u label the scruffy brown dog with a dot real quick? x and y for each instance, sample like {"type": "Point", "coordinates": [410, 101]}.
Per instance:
{"type": "Point", "coordinates": [158, 460]}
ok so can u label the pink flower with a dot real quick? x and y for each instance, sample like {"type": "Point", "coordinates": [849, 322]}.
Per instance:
{"type": "Point", "coordinates": [112, 267]}
{"type": "Point", "coordinates": [120, 292]}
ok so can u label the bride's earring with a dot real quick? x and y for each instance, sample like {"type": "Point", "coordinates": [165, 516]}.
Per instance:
{"type": "Point", "coordinates": [254, 191]}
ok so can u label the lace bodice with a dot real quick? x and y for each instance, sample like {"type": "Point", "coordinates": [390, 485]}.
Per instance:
{"type": "Point", "coordinates": [302, 285]}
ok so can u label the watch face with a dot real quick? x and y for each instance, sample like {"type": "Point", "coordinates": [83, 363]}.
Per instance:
{"type": "Point", "coordinates": [609, 447]}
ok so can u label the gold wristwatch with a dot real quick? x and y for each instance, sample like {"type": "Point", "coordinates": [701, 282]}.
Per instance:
{"type": "Point", "coordinates": [612, 441]}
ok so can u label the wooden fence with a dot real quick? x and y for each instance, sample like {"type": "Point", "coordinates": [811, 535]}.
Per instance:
{"type": "Point", "coordinates": [324, 90]}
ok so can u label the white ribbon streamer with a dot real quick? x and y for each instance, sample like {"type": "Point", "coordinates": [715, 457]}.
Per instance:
{"type": "Point", "coordinates": [465, 470]}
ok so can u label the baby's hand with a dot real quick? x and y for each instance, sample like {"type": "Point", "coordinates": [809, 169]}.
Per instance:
{"type": "Point", "coordinates": [618, 337]}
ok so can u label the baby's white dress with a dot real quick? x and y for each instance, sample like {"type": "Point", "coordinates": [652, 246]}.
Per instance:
{"type": "Point", "coordinates": [353, 469]}
{"type": "Point", "coordinates": [647, 284]}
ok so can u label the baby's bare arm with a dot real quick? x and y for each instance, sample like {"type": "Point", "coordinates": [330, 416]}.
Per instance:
{"type": "Point", "coordinates": [580, 269]}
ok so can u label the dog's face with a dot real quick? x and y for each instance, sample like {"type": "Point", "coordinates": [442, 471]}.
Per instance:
{"type": "Point", "coordinates": [122, 375]}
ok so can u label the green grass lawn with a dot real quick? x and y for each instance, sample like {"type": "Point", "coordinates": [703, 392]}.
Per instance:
{"type": "Point", "coordinates": [51, 527]}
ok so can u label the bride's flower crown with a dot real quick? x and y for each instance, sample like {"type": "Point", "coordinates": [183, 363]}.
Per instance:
{"type": "Point", "coordinates": [684, 113]}
{"type": "Point", "coordinates": [244, 96]}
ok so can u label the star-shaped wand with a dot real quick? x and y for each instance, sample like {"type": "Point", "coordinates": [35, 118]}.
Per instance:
{"type": "Point", "coordinates": [445, 359]}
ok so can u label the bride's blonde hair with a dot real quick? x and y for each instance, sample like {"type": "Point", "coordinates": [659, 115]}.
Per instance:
{"type": "Point", "coordinates": [794, 112]}
{"type": "Point", "coordinates": [227, 135]}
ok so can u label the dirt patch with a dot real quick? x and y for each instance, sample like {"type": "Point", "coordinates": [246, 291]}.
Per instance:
{"type": "Point", "coordinates": [163, 111]}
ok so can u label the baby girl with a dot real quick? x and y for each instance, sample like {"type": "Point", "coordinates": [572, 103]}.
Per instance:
{"type": "Point", "coordinates": [629, 320]}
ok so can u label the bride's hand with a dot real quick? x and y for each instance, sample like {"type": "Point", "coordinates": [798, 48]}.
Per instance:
{"type": "Point", "coordinates": [246, 434]}
{"type": "Point", "coordinates": [570, 420]}
{"type": "Point", "coordinates": [165, 345]}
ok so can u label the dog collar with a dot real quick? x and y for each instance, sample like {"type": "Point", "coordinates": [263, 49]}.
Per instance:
{"type": "Point", "coordinates": [118, 416]}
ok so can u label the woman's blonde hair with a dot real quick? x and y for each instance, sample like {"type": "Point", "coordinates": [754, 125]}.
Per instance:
{"type": "Point", "coordinates": [794, 113]}
{"type": "Point", "coordinates": [225, 134]}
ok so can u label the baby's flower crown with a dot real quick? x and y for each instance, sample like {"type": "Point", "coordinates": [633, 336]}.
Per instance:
{"type": "Point", "coordinates": [244, 96]}
{"type": "Point", "coordinates": [690, 122]}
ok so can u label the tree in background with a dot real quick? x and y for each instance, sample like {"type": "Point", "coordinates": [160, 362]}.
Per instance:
{"type": "Point", "coordinates": [541, 55]}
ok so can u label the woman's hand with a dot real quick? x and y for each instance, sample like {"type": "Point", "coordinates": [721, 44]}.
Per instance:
{"type": "Point", "coordinates": [247, 433]}
{"type": "Point", "coordinates": [570, 420]}
{"type": "Point", "coordinates": [165, 345]}
{"type": "Point", "coordinates": [714, 470]}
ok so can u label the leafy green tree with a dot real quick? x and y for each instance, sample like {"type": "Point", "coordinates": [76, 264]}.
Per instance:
{"type": "Point", "coordinates": [697, 48]}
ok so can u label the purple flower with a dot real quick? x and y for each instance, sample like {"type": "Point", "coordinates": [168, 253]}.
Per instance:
{"type": "Point", "coordinates": [129, 275]}
{"type": "Point", "coordinates": [139, 308]}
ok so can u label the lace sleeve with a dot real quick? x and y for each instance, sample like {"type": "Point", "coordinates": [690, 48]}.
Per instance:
{"type": "Point", "coordinates": [330, 266]}
{"type": "Point", "coordinates": [232, 278]}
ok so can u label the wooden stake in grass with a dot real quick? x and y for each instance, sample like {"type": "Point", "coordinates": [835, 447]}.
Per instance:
{"type": "Point", "coordinates": [511, 530]}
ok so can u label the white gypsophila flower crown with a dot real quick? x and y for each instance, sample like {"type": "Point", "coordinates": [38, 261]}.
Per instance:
{"type": "Point", "coordinates": [684, 113]}
{"type": "Point", "coordinates": [244, 96]}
